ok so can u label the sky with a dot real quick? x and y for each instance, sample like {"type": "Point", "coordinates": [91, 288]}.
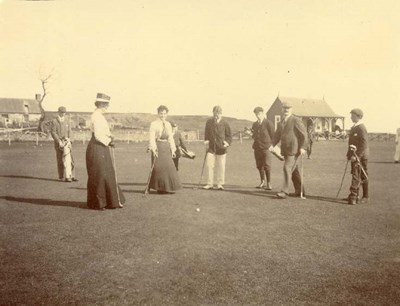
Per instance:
{"type": "Point", "coordinates": [191, 55]}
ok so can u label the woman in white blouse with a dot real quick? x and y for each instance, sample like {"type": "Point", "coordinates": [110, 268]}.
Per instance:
{"type": "Point", "coordinates": [164, 177]}
{"type": "Point", "coordinates": [102, 189]}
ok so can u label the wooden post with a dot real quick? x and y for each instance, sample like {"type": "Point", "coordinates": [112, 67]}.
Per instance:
{"type": "Point", "coordinates": [240, 137]}
{"type": "Point", "coordinates": [37, 138]}
{"type": "Point", "coordinates": [9, 138]}
{"type": "Point", "coordinates": [129, 134]}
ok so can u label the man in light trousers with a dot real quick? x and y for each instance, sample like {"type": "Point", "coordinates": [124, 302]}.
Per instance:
{"type": "Point", "coordinates": [218, 138]}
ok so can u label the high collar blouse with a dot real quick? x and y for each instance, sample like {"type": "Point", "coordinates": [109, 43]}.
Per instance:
{"type": "Point", "coordinates": [156, 130]}
{"type": "Point", "coordinates": [99, 127]}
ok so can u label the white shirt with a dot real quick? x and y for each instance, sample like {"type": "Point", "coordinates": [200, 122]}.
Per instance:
{"type": "Point", "coordinates": [357, 123]}
{"type": "Point", "coordinates": [156, 129]}
{"type": "Point", "coordinates": [99, 126]}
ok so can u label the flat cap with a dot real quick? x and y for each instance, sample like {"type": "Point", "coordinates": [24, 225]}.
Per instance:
{"type": "Point", "coordinates": [62, 109]}
{"type": "Point", "coordinates": [287, 105]}
{"type": "Point", "coordinates": [358, 112]}
{"type": "Point", "coordinates": [258, 109]}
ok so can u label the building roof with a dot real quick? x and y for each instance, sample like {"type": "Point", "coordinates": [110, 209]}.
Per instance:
{"type": "Point", "coordinates": [310, 107]}
{"type": "Point", "coordinates": [17, 106]}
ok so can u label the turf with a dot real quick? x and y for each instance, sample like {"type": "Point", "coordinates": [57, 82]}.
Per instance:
{"type": "Point", "coordinates": [241, 246]}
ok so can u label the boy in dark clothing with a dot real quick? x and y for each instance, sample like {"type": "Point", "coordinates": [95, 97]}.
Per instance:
{"type": "Point", "coordinates": [358, 147]}
{"type": "Point", "coordinates": [263, 134]}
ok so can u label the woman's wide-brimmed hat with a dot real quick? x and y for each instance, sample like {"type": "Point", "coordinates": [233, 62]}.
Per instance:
{"type": "Point", "coordinates": [103, 98]}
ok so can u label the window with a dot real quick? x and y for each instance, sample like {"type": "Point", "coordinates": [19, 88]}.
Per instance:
{"type": "Point", "coordinates": [277, 120]}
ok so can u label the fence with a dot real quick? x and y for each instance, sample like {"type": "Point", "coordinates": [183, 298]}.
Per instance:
{"type": "Point", "coordinates": [127, 135]}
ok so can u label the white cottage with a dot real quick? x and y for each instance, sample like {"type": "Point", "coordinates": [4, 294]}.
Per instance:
{"type": "Point", "coordinates": [315, 113]}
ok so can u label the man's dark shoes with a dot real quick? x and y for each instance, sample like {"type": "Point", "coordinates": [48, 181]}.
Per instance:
{"type": "Point", "coordinates": [281, 195]}
{"type": "Point", "coordinates": [74, 179]}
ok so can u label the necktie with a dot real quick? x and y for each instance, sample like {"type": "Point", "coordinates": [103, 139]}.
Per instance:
{"type": "Point", "coordinates": [164, 132]}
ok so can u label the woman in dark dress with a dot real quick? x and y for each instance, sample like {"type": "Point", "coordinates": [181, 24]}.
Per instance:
{"type": "Point", "coordinates": [102, 189]}
{"type": "Point", "coordinates": [164, 177]}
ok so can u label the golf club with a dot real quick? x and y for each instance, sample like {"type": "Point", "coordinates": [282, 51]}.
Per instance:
{"type": "Point", "coordinates": [146, 191]}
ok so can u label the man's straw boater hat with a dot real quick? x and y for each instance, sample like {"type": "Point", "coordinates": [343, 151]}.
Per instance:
{"type": "Point", "coordinates": [103, 98]}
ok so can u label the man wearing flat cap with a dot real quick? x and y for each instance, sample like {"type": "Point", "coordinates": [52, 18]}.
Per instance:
{"type": "Point", "coordinates": [60, 132]}
{"type": "Point", "coordinates": [263, 134]}
{"type": "Point", "coordinates": [292, 135]}
{"type": "Point", "coordinates": [358, 149]}
{"type": "Point", "coordinates": [218, 138]}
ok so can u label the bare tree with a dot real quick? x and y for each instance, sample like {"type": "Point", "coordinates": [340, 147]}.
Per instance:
{"type": "Point", "coordinates": [40, 98]}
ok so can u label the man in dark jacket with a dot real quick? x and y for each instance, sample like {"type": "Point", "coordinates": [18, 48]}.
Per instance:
{"type": "Point", "coordinates": [60, 131]}
{"type": "Point", "coordinates": [179, 143]}
{"type": "Point", "coordinates": [263, 134]}
{"type": "Point", "coordinates": [292, 134]}
{"type": "Point", "coordinates": [218, 138]}
{"type": "Point", "coordinates": [358, 147]}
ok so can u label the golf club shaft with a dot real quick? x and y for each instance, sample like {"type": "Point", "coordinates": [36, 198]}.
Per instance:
{"type": "Point", "coordinates": [115, 172]}
{"type": "Point", "coordinates": [151, 171]}
{"type": "Point", "coordinates": [202, 169]}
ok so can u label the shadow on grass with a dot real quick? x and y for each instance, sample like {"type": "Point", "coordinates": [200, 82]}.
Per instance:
{"type": "Point", "coordinates": [235, 189]}
{"type": "Point", "coordinates": [327, 199]}
{"type": "Point", "coordinates": [47, 202]}
{"type": "Point", "coordinates": [123, 190]}
{"type": "Point", "coordinates": [132, 184]}
{"type": "Point", "coordinates": [383, 162]}
{"type": "Point", "coordinates": [31, 178]}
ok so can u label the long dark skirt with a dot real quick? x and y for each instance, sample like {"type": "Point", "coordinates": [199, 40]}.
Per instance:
{"type": "Point", "coordinates": [164, 177]}
{"type": "Point", "coordinates": [102, 187]}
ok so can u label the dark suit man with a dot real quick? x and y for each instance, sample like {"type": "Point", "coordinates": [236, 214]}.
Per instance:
{"type": "Point", "coordinates": [179, 143]}
{"type": "Point", "coordinates": [59, 131]}
{"type": "Point", "coordinates": [358, 146]}
{"type": "Point", "coordinates": [292, 134]}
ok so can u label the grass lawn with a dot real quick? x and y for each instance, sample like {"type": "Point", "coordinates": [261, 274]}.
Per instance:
{"type": "Point", "coordinates": [241, 246]}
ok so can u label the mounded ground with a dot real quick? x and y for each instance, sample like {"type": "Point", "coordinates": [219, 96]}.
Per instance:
{"type": "Point", "coordinates": [243, 246]}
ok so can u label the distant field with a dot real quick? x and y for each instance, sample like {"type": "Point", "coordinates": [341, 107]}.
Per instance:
{"type": "Point", "coordinates": [243, 246]}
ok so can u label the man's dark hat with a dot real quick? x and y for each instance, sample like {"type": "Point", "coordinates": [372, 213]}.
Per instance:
{"type": "Point", "coordinates": [258, 109]}
{"type": "Point", "coordinates": [287, 105]}
{"type": "Point", "coordinates": [358, 112]}
{"type": "Point", "coordinates": [62, 109]}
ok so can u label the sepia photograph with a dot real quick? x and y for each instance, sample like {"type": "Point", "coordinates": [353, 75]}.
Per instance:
{"type": "Point", "coordinates": [183, 152]}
